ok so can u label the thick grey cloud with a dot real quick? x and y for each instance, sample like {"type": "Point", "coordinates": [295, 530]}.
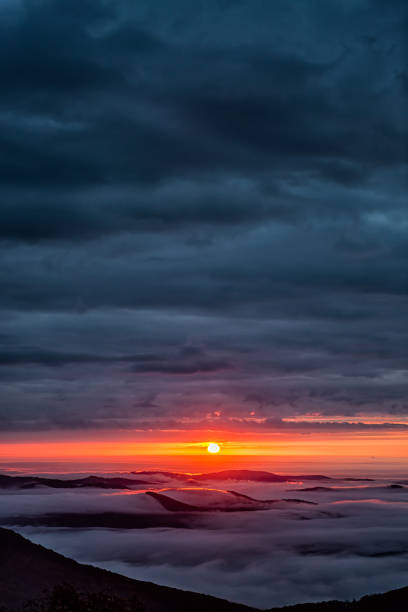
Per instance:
{"type": "Point", "coordinates": [199, 208]}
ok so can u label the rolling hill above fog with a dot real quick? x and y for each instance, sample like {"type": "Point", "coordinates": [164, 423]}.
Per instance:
{"type": "Point", "coordinates": [238, 475]}
{"type": "Point", "coordinates": [249, 475]}
{"type": "Point", "coordinates": [148, 478]}
{"type": "Point", "coordinates": [27, 570]}
{"type": "Point", "coordinates": [167, 507]}
{"type": "Point", "coordinates": [98, 482]}
{"type": "Point", "coordinates": [213, 499]}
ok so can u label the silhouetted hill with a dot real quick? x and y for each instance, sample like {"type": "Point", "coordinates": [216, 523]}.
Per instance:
{"type": "Point", "coordinates": [315, 489]}
{"type": "Point", "coordinates": [392, 601]}
{"type": "Point", "coordinates": [119, 482]}
{"type": "Point", "coordinates": [239, 475]}
{"type": "Point", "coordinates": [27, 570]}
{"type": "Point", "coordinates": [249, 503]}
{"type": "Point", "coordinates": [257, 476]}
{"type": "Point", "coordinates": [99, 482]}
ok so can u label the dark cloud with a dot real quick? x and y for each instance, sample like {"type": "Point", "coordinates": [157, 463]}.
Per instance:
{"type": "Point", "coordinates": [187, 361]}
{"type": "Point", "coordinates": [231, 178]}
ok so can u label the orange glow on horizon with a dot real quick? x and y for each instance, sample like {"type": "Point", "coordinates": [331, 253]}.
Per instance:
{"type": "Point", "coordinates": [74, 445]}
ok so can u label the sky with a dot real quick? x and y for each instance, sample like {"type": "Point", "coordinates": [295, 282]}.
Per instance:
{"type": "Point", "coordinates": [203, 229]}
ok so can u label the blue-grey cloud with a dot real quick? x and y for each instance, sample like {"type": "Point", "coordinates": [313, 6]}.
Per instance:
{"type": "Point", "coordinates": [229, 178]}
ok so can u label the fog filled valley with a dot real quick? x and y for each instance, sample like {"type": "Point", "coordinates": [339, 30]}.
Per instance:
{"type": "Point", "coordinates": [248, 536]}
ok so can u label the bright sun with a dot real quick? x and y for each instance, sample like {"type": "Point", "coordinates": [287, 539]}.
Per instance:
{"type": "Point", "coordinates": [213, 448]}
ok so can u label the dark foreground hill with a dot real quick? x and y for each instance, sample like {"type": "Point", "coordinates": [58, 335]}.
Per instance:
{"type": "Point", "coordinates": [392, 601]}
{"type": "Point", "coordinates": [28, 570]}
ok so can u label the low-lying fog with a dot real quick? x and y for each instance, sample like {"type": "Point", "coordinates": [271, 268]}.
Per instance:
{"type": "Point", "coordinates": [265, 549]}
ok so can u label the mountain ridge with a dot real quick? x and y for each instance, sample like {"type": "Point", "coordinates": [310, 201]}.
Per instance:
{"type": "Point", "coordinates": [99, 482]}
{"type": "Point", "coordinates": [122, 482]}
{"type": "Point", "coordinates": [239, 475]}
{"type": "Point", "coordinates": [39, 569]}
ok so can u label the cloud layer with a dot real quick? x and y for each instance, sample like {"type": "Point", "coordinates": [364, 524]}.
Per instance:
{"type": "Point", "coordinates": [202, 210]}
{"type": "Point", "coordinates": [353, 542]}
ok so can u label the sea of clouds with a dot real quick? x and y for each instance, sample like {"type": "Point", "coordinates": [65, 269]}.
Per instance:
{"type": "Point", "coordinates": [353, 542]}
